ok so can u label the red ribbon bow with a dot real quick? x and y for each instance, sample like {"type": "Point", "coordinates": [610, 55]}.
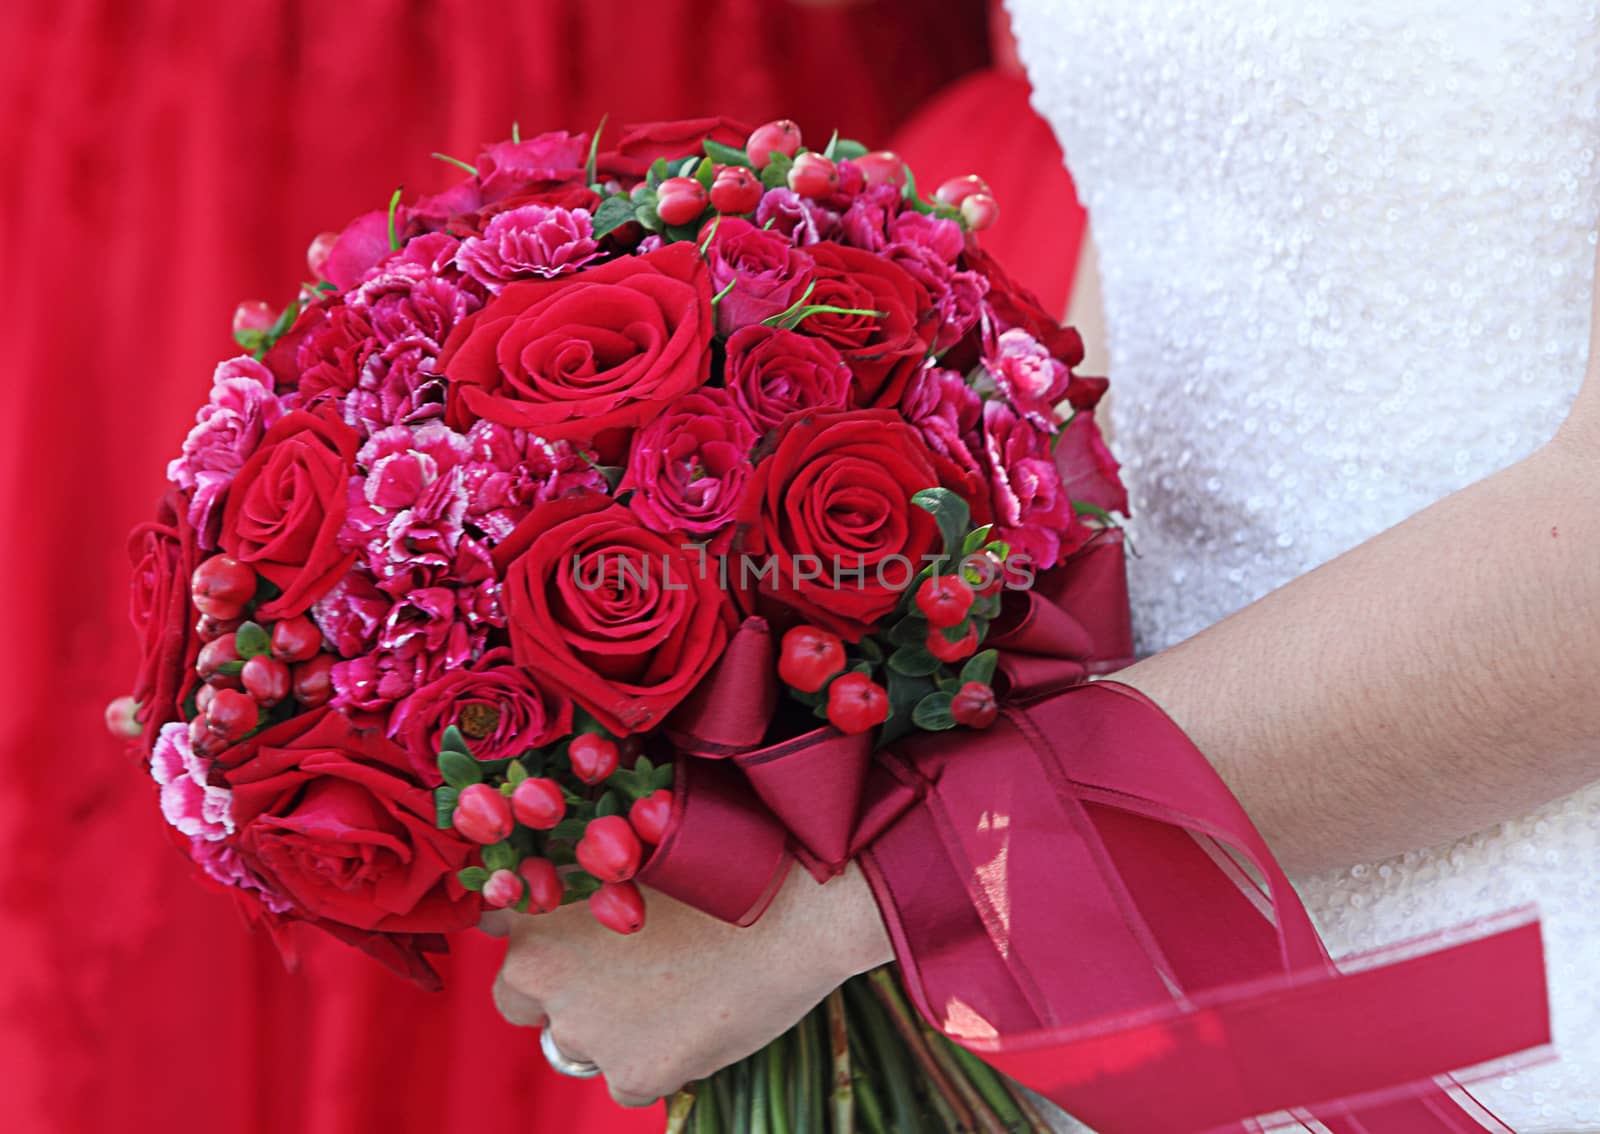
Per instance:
{"type": "Point", "coordinates": [1140, 979]}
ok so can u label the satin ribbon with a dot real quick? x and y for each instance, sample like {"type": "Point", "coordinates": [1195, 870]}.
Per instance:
{"type": "Point", "coordinates": [1059, 902]}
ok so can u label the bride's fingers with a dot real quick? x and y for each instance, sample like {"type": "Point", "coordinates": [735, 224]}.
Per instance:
{"type": "Point", "coordinates": [516, 1006]}
{"type": "Point", "coordinates": [497, 923]}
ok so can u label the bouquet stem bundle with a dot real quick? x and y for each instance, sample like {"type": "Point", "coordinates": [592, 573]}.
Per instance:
{"type": "Point", "coordinates": [861, 1062]}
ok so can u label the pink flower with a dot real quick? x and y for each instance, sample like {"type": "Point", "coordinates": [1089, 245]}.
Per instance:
{"type": "Point", "coordinates": [1032, 511]}
{"type": "Point", "coordinates": [226, 865]}
{"type": "Point", "coordinates": [407, 514]}
{"type": "Point", "coordinates": [227, 430]}
{"type": "Point", "coordinates": [1031, 379]}
{"type": "Point", "coordinates": [957, 296]}
{"type": "Point", "coordinates": [351, 614]}
{"type": "Point", "coordinates": [947, 412]}
{"type": "Point", "coordinates": [799, 221]}
{"type": "Point", "coordinates": [940, 236]}
{"type": "Point", "coordinates": [1088, 471]}
{"type": "Point", "coordinates": [766, 273]}
{"type": "Point", "coordinates": [865, 223]}
{"type": "Point", "coordinates": [424, 635]}
{"type": "Point", "coordinates": [534, 240]}
{"type": "Point", "coordinates": [507, 168]}
{"type": "Point", "coordinates": [496, 704]}
{"type": "Point", "coordinates": [325, 354]}
{"type": "Point", "coordinates": [188, 801]}
{"type": "Point", "coordinates": [772, 373]}
{"type": "Point", "coordinates": [411, 311]}
{"type": "Point", "coordinates": [361, 247]}
{"type": "Point", "coordinates": [689, 467]}
{"type": "Point", "coordinates": [509, 471]}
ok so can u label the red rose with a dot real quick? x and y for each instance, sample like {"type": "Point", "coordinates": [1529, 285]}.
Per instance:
{"type": "Point", "coordinates": [332, 819]}
{"type": "Point", "coordinates": [640, 145]}
{"type": "Point", "coordinates": [163, 555]}
{"type": "Point", "coordinates": [829, 518]}
{"type": "Point", "coordinates": [1089, 473]}
{"type": "Point", "coordinates": [883, 350]}
{"type": "Point", "coordinates": [574, 357]}
{"type": "Point", "coordinates": [624, 621]}
{"type": "Point", "coordinates": [757, 272]}
{"type": "Point", "coordinates": [772, 373]}
{"type": "Point", "coordinates": [285, 508]}
{"type": "Point", "coordinates": [497, 705]}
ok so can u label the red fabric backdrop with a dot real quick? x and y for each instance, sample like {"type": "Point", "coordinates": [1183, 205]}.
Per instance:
{"type": "Point", "coordinates": [162, 160]}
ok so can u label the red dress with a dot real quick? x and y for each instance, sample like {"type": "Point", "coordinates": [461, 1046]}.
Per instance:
{"type": "Point", "coordinates": [163, 160]}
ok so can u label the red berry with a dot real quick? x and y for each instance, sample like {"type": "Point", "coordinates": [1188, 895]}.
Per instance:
{"type": "Point", "coordinates": [680, 200]}
{"type": "Point", "coordinates": [544, 884]}
{"type": "Point", "coordinates": [215, 654]}
{"type": "Point", "coordinates": [220, 609]}
{"type": "Point", "coordinates": [265, 679]}
{"type": "Point", "coordinates": [857, 703]}
{"type": "Point", "coordinates": [482, 814]}
{"type": "Point", "coordinates": [313, 681]}
{"type": "Point", "coordinates": [609, 849]}
{"type": "Point", "coordinates": [209, 629]}
{"type": "Point", "coordinates": [944, 600]}
{"type": "Point", "coordinates": [814, 176]}
{"type": "Point", "coordinates": [882, 167]}
{"type": "Point", "coordinates": [232, 714]}
{"type": "Point", "coordinates": [958, 189]}
{"type": "Point", "coordinates": [202, 740]}
{"type": "Point", "coordinates": [651, 816]}
{"type": "Point", "coordinates": [538, 803]}
{"type": "Point", "coordinates": [781, 137]}
{"type": "Point", "coordinates": [735, 190]}
{"type": "Point", "coordinates": [618, 906]}
{"type": "Point", "coordinates": [974, 705]}
{"type": "Point", "coordinates": [503, 889]}
{"type": "Point", "coordinates": [253, 315]}
{"type": "Point", "coordinates": [947, 651]}
{"type": "Point", "coordinates": [121, 717]}
{"type": "Point", "coordinates": [593, 757]}
{"type": "Point", "coordinates": [317, 254]}
{"type": "Point", "coordinates": [224, 578]}
{"type": "Point", "coordinates": [810, 656]}
{"type": "Point", "coordinates": [202, 698]}
{"type": "Point", "coordinates": [296, 639]}
{"type": "Point", "coordinates": [980, 211]}
{"type": "Point", "coordinates": [985, 573]}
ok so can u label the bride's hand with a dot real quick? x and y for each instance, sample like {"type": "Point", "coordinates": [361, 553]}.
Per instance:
{"type": "Point", "coordinates": [688, 994]}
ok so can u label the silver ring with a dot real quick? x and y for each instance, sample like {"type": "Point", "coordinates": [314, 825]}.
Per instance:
{"type": "Point", "coordinates": [575, 1068]}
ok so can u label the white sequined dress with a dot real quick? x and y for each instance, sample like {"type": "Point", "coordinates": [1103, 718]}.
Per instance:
{"type": "Point", "coordinates": [1346, 251]}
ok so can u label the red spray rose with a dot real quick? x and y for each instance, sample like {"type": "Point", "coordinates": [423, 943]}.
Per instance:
{"type": "Point", "coordinates": [163, 555]}
{"type": "Point", "coordinates": [883, 350]}
{"type": "Point", "coordinates": [639, 145]}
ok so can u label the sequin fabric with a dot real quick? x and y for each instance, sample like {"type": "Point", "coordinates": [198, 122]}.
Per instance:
{"type": "Point", "coordinates": [1346, 254]}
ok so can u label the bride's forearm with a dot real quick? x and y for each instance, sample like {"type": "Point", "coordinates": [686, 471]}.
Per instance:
{"type": "Point", "coordinates": [1438, 678]}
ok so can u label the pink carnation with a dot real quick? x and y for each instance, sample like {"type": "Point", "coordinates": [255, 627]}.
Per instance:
{"type": "Point", "coordinates": [795, 219]}
{"type": "Point", "coordinates": [508, 168]}
{"type": "Point", "coordinates": [688, 468]}
{"type": "Point", "coordinates": [947, 412]}
{"type": "Point", "coordinates": [939, 235]}
{"type": "Point", "coordinates": [424, 635]}
{"type": "Point", "coordinates": [866, 222]}
{"type": "Point", "coordinates": [227, 430]}
{"type": "Point", "coordinates": [412, 311]}
{"type": "Point", "coordinates": [1031, 379]}
{"type": "Point", "coordinates": [957, 296]}
{"type": "Point", "coordinates": [351, 614]}
{"type": "Point", "coordinates": [534, 240]}
{"type": "Point", "coordinates": [1032, 511]}
{"type": "Point", "coordinates": [509, 471]}
{"type": "Point", "coordinates": [188, 800]}
{"type": "Point", "coordinates": [226, 865]}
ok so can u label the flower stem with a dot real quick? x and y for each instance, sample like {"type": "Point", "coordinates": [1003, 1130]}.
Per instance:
{"type": "Point", "coordinates": [844, 1107]}
{"type": "Point", "coordinates": [679, 1108]}
{"type": "Point", "coordinates": [742, 1112]}
{"type": "Point", "coordinates": [888, 1053]}
{"type": "Point", "coordinates": [979, 1086]}
{"type": "Point", "coordinates": [943, 1092]}
{"type": "Point", "coordinates": [775, 1055]}
{"type": "Point", "coordinates": [871, 1108]}
{"type": "Point", "coordinates": [810, 1116]}
{"type": "Point", "coordinates": [758, 1100]}
{"type": "Point", "coordinates": [1030, 1113]}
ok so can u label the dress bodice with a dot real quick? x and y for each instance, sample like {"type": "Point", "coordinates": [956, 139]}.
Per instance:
{"type": "Point", "coordinates": [1346, 251]}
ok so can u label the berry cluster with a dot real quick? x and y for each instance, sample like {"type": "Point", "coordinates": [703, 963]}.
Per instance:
{"type": "Point", "coordinates": [552, 827]}
{"type": "Point", "coordinates": [934, 676]}
{"type": "Point", "coordinates": [251, 674]}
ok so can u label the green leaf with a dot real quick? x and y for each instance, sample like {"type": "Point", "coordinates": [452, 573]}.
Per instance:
{"type": "Point", "coordinates": [251, 340]}
{"type": "Point", "coordinates": [610, 804]}
{"type": "Point", "coordinates": [662, 777]}
{"type": "Point", "coordinates": [870, 650]}
{"type": "Point", "coordinates": [459, 770]}
{"type": "Point", "coordinates": [1084, 508]}
{"type": "Point", "coordinates": [913, 661]}
{"type": "Point", "coordinates": [231, 668]}
{"type": "Point", "coordinates": [500, 856]}
{"type": "Point", "coordinates": [950, 511]}
{"type": "Point", "coordinates": [659, 172]}
{"type": "Point", "coordinates": [613, 213]}
{"type": "Point", "coordinates": [705, 172]}
{"type": "Point", "coordinates": [473, 877]}
{"type": "Point", "coordinates": [454, 741]}
{"type": "Point", "coordinates": [912, 630]}
{"type": "Point", "coordinates": [444, 806]}
{"type": "Point", "coordinates": [725, 155]}
{"type": "Point", "coordinates": [975, 540]}
{"type": "Point", "coordinates": [933, 713]}
{"type": "Point", "coordinates": [980, 667]}
{"type": "Point", "coordinates": [776, 175]}
{"type": "Point", "coordinates": [266, 590]}
{"type": "Point", "coordinates": [579, 885]}
{"type": "Point", "coordinates": [515, 773]}
{"type": "Point", "coordinates": [252, 640]}
{"type": "Point", "coordinates": [904, 694]}
{"type": "Point", "coordinates": [569, 829]}
{"type": "Point", "coordinates": [394, 207]}
{"type": "Point", "coordinates": [848, 149]}
{"type": "Point", "coordinates": [913, 197]}
{"type": "Point", "coordinates": [792, 318]}
{"type": "Point", "coordinates": [828, 150]}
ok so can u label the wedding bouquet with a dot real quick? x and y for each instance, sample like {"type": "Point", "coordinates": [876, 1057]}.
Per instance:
{"type": "Point", "coordinates": [560, 504]}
